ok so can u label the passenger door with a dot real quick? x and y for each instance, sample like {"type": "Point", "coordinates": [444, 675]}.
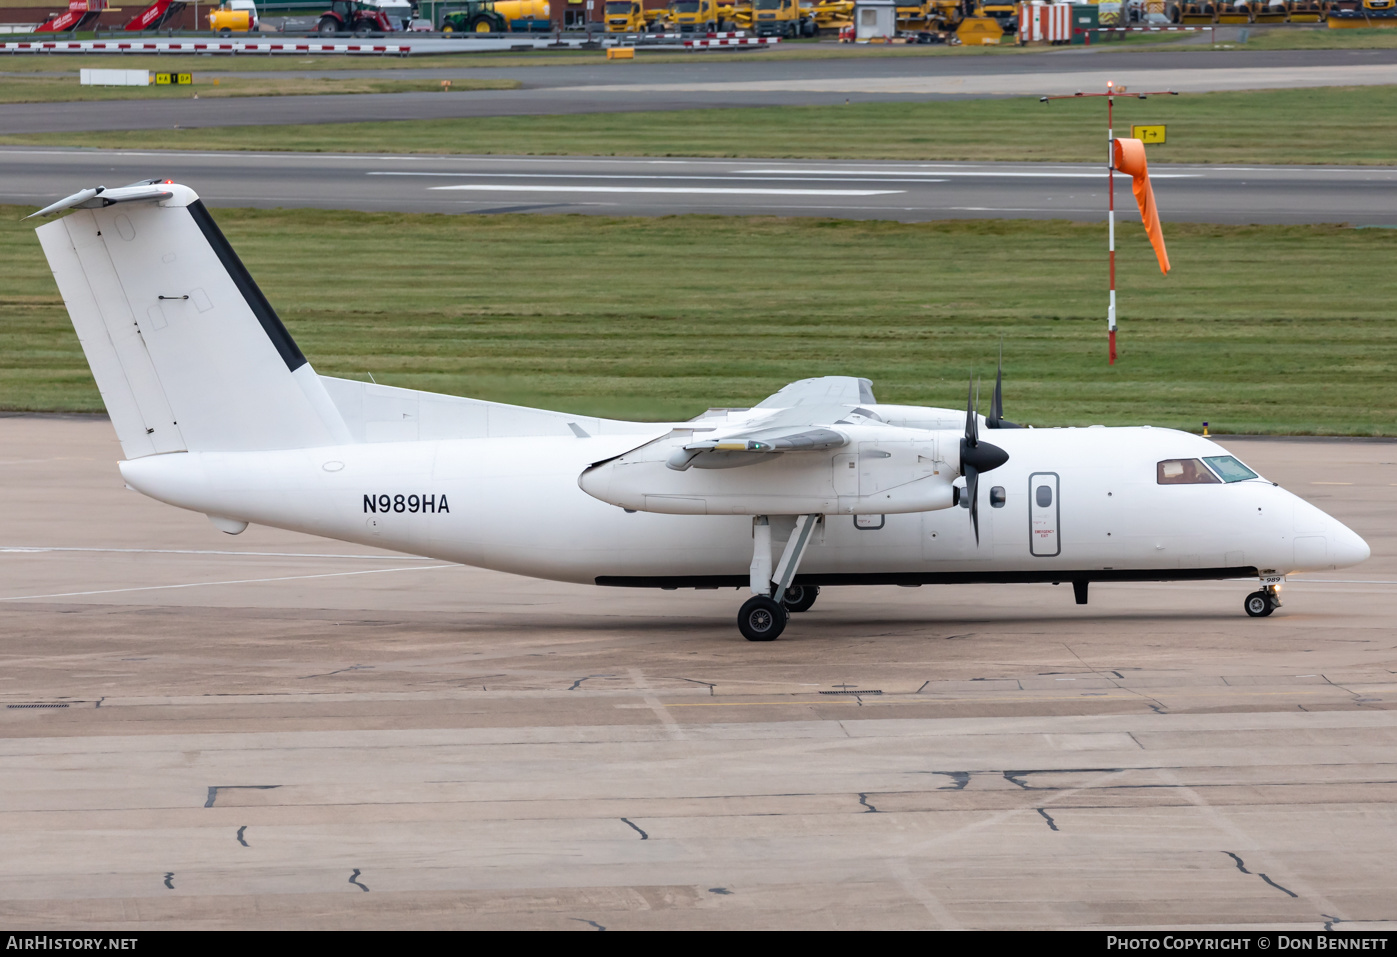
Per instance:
{"type": "Point", "coordinates": [1044, 515]}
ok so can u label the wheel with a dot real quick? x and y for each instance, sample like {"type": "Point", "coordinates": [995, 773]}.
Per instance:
{"type": "Point", "coordinates": [482, 25]}
{"type": "Point", "coordinates": [1259, 604]}
{"type": "Point", "coordinates": [808, 29]}
{"type": "Point", "coordinates": [327, 25]}
{"type": "Point", "coordinates": [799, 598]}
{"type": "Point", "coordinates": [225, 32]}
{"type": "Point", "coordinates": [447, 28]}
{"type": "Point", "coordinates": [762, 618]}
{"type": "Point", "coordinates": [364, 27]}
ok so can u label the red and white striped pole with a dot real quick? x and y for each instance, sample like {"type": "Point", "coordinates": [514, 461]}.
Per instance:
{"type": "Point", "coordinates": [1111, 215]}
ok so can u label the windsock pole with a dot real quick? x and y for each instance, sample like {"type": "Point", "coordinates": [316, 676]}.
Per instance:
{"type": "Point", "coordinates": [1112, 91]}
{"type": "Point", "coordinates": [1111, 216]}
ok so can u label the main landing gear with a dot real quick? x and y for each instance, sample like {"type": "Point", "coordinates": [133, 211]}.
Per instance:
{"type": "Point", "coordinates": [1259, 604]}
{"type": "Point", "coordinates": [763, 617]}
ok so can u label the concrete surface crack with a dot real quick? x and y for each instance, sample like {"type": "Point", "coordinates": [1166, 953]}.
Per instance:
{"type": "Point", "coordinates": [1047, 817]}
{"type": "Point", "coordinates": [1278, 887]}
{"type": "Point", "coordinates": [583, 920]}
{"type": "Point", "coordinates": [643, 835]}
{"type": "Point", "coordinates": [241, 830]}
{"type": "Point", "coordinates": [339, 672]}
{"type": "Point", "coordinates": [578, 682]}
{"type": "Point", "coordinates": [725, 892]}
{"type": "Point", "coordinates": [215, 788]}
{"type": "Point", "coordinates": [863, 799]}
{"type": "Point", "coordinates": [959, 779]}
{"type": "Point", "coordinates": [1330, 920]}
{"type": "Point", "coordinates": [1240, 866]}
{"type": "Point", "coordinates": [354, 879]}
{"type": "Point", "coordinates": [170, 879]}
{"type": "Point", "coordinates": [707, 684]}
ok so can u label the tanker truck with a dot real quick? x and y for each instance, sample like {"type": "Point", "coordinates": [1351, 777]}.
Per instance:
{"type": "Point", "coordinates": [497, 16]}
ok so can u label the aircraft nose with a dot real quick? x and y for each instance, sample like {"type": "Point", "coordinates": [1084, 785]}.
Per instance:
{"type": "Point", "coordinates": [1346, 547]}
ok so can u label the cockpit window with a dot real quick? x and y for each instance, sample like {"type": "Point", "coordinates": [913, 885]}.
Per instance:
{"type": "Point", "coordinates": [1229, 469]}
{"type": "Point", "coordinates": [1184, 472]}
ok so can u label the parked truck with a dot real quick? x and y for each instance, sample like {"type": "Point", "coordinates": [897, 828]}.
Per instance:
{"type": "Point", "coordinates": [783, 18]}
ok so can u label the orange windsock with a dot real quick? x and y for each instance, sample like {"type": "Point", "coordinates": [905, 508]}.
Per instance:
{"type": "Point", "coordinates": [1130, 158]}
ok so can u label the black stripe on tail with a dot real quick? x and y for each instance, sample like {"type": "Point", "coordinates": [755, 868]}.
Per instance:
{"type": "Point", "coordinates": [261, 308]}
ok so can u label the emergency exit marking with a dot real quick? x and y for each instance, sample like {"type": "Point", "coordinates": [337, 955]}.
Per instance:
{"type": "Point", "coordinates": [1148, 134]}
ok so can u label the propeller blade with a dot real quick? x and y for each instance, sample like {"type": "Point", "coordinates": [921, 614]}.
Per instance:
{"type": "Point", "coordinates": [972, 489]}
{"type": "Point", "coordinates": [996, 420]}
{"type": "Point", "coordinates": [972, 432]}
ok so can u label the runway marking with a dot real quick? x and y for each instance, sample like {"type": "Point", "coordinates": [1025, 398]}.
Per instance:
{"type": "Point", "coordinates": [910, 178]}
{"type": "Point", "coordinates": [705, 190]}
{"type": "Point", "coordinates": [1034, 174]}
{"type": "Point", "coordinates": [237, 581]}
{"type": "Point", "coordinates": [30, 549]}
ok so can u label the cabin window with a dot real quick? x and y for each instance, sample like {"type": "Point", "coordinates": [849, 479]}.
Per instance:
{"type": "Point", "coordinates": [1184, 472]}
{"type": "Point", "coordinates": [1044, 496]}
{"type": "Point", "coordinates": [997, 496]}
{"type": "Point", "coordinates": [1229, 469]}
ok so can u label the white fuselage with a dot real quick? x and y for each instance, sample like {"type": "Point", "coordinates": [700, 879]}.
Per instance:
{"type": "Point", "coordinates": [514, 504]}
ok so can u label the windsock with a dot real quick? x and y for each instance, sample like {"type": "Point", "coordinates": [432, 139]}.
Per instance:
{"type": "Point", "coordinates": [1130, 158]}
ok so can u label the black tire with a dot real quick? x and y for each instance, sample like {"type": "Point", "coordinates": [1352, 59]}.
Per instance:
{"type": "Point", "coordinates": [799, 598]}
{"type": "Point", "coordinates": [327, 25]}
{"type": "Point", "coordinates": [807, 29]}
{"type": "Point", "coordinates": [225, 32]}
{"type": "Point", "coordinates": [762, 618]}
{"type": "Point", "coordinates": [1259, 605]}
{"type": "Point", "coordinates": [364, 27]}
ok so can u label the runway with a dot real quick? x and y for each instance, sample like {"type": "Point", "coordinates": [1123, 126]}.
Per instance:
{"type": "Point", "coordinates": [721, 82]}
{"type": "Point", "coordinates": [278, 731]}
{"type": "Point", "coordinates": [657, 187]}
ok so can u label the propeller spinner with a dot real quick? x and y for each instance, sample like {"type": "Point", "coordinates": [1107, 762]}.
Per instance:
{"type": "Point", "coordinates": [977, 457]}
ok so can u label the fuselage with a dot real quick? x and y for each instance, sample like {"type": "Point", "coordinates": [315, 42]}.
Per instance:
{"type": "Point", "coordinates": [514, 504]}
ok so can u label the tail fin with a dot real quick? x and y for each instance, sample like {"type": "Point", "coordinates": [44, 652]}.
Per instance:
{"type": "Point", "coordinates": [187, 352]}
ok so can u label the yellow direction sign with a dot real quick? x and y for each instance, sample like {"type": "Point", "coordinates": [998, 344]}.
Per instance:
{"type": "Point", "coordinates": [1148, 134]}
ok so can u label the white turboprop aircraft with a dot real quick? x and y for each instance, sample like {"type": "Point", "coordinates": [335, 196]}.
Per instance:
{"type": "Point", "coordinates": [219, 412]}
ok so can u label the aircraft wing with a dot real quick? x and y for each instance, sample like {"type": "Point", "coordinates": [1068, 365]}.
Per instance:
{"type": "Point", "coordinates": [830, 390]}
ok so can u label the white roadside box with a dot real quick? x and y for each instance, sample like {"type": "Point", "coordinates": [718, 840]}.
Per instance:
{"type": "Point", "coordinates": [874, 19]}
{"type": "Point", "coordinates": [114, 78]}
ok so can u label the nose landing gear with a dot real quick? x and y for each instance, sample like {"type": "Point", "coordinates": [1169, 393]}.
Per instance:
{"type": "Point", "coordinates": [1261, 603]}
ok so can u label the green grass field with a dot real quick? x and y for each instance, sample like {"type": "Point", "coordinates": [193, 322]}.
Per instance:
{"type": "Point", "coordinates": [1258, 329]}
{"type": "Point", "coordinates": [1346, 125]}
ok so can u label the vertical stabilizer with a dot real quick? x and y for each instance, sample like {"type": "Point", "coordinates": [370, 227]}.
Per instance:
{"type": "Point", "coordinates": [186, 351]}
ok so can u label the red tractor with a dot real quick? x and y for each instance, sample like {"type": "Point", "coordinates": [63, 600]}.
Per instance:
{"type": "Point", "coordinates": [355, 16]}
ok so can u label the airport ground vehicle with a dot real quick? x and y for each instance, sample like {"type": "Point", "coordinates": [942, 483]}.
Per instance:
{"type": "Point", "coordinates": [365, 16]}
{"type": "Point", "coordinates": [218, 411]}
{"type": "Point", "coordinates": [1362, 13]}
{"type": "Point", "coordinates": [625, 16]}
{"type": "Point", "coordinates": [80, 15]}
{"type": "Point", "coordinates": [234, 16]}
{"type": "Point", "coordinates": [693, 16]}
{"type": "Point", "coordinates": [156, 16]}
{"type": "Point", "coordinates": [783, 18]}
{"type": "Point", "coordinates": [497, 16]}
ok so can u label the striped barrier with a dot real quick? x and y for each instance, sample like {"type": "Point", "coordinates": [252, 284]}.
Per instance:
{"type": "Point", "coordinates": [739, 42]}
{"type": "Point", "coordinates": [178, 46]}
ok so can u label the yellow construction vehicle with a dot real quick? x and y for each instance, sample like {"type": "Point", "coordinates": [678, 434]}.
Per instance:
{"type": "Point", "coordinates": [736, 16]}
{"type": "Point", "coordinates": [625, 16]}
{"type": "Point", "coordinates": [1345, 14]}
{"type": "Point", "coordinates": [693, 16]}
{"type": "Point", "coordinates": [783, 18]}
{"type": "Point", "coordinates": [834, 14]}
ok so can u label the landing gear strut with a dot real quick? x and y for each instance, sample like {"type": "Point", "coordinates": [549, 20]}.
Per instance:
{"type": "Point", "coordinates": [1261, 603]}
{"type": "Point", "coordinates": [763, 617]}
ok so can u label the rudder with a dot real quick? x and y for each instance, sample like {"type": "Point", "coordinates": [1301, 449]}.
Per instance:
{"type": "Point", "coordinates": [186, 350]}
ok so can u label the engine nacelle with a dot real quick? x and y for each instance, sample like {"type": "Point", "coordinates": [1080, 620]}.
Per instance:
{"type": "Point", "coordinates": [880, 470]}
